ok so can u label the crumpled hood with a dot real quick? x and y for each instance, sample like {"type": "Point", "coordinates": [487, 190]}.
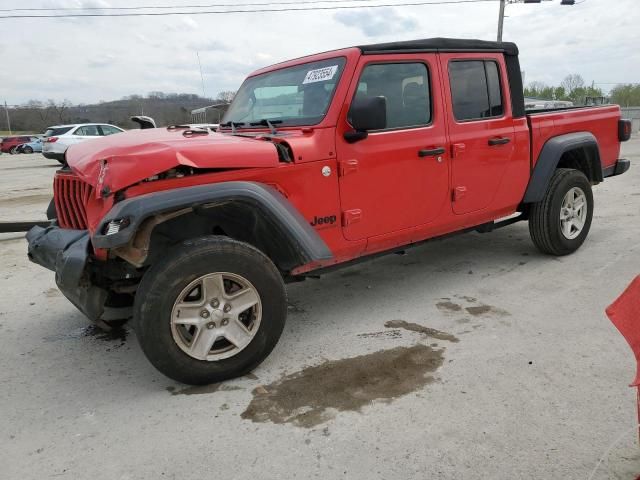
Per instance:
{"type": "Point", "coordinates": [123, 159]}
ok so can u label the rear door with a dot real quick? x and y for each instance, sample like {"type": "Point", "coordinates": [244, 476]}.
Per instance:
{"type": "Point", "coordinates": [83, 133]}
{"type": "Point", "coordinates": [481, 129]}
{"type": "Point", "coordinates": [395, 178]}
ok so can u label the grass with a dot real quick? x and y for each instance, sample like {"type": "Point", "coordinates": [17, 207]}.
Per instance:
{"type": "Point", "coordinates": [5, 133]}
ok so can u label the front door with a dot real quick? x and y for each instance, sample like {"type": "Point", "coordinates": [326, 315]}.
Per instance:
{"type": "Point", "coordinates": [396, 178]}
{"type": "Point", "coordinates": [481, 129]}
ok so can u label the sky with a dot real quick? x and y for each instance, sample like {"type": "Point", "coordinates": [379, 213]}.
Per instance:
{"type": "Point", "coordinates": [92, 59]}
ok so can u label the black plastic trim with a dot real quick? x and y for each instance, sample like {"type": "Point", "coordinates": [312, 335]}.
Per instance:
{"type": "Point", "coordinates": [549, 157]}
{"type": "Point", "coordinates": [266, 199]}
{"type": "Point", "coordinates": [620, 167]}
{"type": "Point", "coordinates": [440, 45]}
{"type": "Point", "coordinates": [66, 252]}
{"type": "Point", "coordinates": [53, 156]}
{"type": "Point", "coordinates": [516, 88]}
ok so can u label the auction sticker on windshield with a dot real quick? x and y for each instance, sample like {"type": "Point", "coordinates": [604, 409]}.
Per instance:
{"type": "Point", "coordinates": [320, 74]}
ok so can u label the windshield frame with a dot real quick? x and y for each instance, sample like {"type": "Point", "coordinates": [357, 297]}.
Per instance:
{"type": "Point", "coordinates": [288, 122]}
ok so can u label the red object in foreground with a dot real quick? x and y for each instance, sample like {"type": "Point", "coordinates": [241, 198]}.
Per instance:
{"type": "Point", "coordinates": [625, 315]}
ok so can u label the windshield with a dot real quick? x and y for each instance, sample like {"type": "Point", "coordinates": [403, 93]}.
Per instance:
{"type": "Point", "coordinates": [298, 95]}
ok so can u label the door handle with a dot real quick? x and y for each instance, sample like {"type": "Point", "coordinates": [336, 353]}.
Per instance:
{"type": "Point", "coordinates": [498, 141]}
{"type": "Point", "coordinates": [431, 152]}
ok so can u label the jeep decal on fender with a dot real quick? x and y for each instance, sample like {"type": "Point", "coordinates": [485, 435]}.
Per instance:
{"type": "Point", "coordinates": [328, 220]}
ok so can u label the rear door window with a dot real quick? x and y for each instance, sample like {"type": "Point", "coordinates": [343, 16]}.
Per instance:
{"type": "Point", "coordinates": [475, 89]}
{"type": "Point", "coordinates": [52, 132]}
{"type": "Point", "coordinates": [88, 131]}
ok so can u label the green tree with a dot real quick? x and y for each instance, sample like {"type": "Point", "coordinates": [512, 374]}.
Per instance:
{"type": "Point", "coordinates": [536, 90]}
{"type": "Point", "coordinates": [626, 95]}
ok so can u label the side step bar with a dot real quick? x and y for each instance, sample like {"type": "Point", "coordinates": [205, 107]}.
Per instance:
{"type": "Point", "coordinates": [490, 227]}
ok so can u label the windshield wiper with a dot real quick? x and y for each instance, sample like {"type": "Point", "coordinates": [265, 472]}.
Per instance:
{"type": "Point", "coordinates": [267, 123]}
{"type": "Point", "coordinates": [233, 125]}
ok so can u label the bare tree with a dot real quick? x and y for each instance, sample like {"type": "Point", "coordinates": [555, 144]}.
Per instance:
{"type": "Point", "coordinates": [226, 96]}
{"type": "Point", "coordinates": [572, 82]}
{"type": "Point", "coordinates": [59, 108]}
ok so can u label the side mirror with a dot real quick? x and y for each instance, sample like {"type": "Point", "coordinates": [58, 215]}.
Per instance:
{"type": "Point", "coordinates": [366, 114]}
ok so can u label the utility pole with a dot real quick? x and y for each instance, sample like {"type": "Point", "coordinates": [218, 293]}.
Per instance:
{"type": "Point", "coordinates": [204, 94]}
{"type": "Point", "coordinates": [501, 19]}
{"type": "Point", "coordinates": [503, 3]}
{"type": "Point", "coordinates": [6, 109]}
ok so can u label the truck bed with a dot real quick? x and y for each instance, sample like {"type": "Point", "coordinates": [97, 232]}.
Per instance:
{"type": "Point", "coordinates": [601, 121]}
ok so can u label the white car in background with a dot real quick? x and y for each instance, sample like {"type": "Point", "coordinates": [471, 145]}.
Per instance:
{"type": "Point", "coordinates": [59, 137]}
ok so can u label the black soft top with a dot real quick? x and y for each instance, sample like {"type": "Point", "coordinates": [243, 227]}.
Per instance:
{"type": "Point", "coordinates": [441, 45]}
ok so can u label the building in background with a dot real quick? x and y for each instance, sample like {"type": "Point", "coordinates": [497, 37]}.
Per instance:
{"type": "Point", "coordinates": [531, 103]}
{"type": "Point", "coordinates": [209, 114]}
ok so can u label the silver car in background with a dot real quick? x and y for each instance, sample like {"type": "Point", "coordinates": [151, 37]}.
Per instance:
{"type": "Point", "coordinates": [59, 137]}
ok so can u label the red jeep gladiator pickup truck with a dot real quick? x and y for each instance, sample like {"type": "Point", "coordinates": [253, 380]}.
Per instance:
{"type": "Point", "coordinates": [319, 162]}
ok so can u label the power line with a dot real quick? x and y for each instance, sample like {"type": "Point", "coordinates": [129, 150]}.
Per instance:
{"type": "Point", "coordinates": [168, 7]}
{"type": "Point", "coordinates": [258, 10]}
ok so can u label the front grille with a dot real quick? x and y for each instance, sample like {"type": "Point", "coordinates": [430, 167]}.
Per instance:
{"type": "Point", "coordinates": [71, 196]}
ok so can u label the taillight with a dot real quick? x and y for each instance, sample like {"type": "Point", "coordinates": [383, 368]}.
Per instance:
{"type": "Point", "coordinates": [52, 139]}
{"type": "Point", "coordinates": [624, 130]}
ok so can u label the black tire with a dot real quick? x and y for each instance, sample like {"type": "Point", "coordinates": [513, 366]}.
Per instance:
{"type": "Point", "coordinates": [544, 216]}
{"type": "Point", "coordinates": [164, 282]}
{"type": "Point", "coordinates": [51, 210]}
{"type": "Point", "coordinates": [27, 150]}
{"type": "Point", "coordinates": [14, 151]}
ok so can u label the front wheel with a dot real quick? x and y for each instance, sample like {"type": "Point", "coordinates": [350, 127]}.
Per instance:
{"type": "Point", "coordinates": [212, 309]}
{"type": "Point", "coordinates": [559, 224]}
{"type": "Point", "coordinates": [27, 150]}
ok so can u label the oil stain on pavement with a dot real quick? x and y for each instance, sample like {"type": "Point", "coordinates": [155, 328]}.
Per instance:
{"type": "Point", "coordinates": [414, 327]}
{"type": "Point", "coordinates": [474, 307]}
{"type": "Point", "coordinates": [92, 331]}
{"type": "Point", "coordinates": [311, 396]}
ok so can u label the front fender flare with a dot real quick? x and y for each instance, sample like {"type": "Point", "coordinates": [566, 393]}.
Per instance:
{"type": "Point", "coordinates": [282, 215]}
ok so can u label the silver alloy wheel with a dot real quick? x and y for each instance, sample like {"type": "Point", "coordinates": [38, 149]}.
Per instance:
{"type": "Point", "coordinates": [573, 213]}
{"type": "Point", "coordinates": [216, 316]}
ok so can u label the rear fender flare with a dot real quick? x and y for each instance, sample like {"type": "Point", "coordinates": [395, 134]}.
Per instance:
{"type": "Point", "coordinates": [298, 241]}
{"type": "Point", "coordinates": [550, 156]}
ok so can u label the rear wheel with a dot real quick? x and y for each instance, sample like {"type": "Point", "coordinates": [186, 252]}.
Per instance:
{"type": "Point", "coordinates": [559, 224]}
{"type": "Point", "coordinates": [14, 151]}
{"type": "Point", "coordinates": [211, 310]}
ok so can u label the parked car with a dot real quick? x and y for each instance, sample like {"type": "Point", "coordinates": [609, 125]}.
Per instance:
{"type": "Point", "coordinates": [319, 162]}
{"type": "Point", "coordinates": [8, 144]}
{"type": "Point", "coordinates": [33, 146]}
{"type": "Point", "coordinates": [59, 137]}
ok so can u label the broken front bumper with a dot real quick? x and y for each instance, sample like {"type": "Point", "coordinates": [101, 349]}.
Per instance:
{"type": "Point", "coordinates": [66, 252]}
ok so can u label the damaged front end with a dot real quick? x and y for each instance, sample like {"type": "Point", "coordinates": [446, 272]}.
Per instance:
{"type": "Point", "coordinates": [66, 252]}
{"type": "Point", "coordinates": [98, 256]}
{"type": "Point", "coordinates": [87, 284]}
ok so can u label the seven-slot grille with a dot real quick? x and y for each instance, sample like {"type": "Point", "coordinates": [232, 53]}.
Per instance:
{"type": "Point", "coordinates": [71, 196]}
